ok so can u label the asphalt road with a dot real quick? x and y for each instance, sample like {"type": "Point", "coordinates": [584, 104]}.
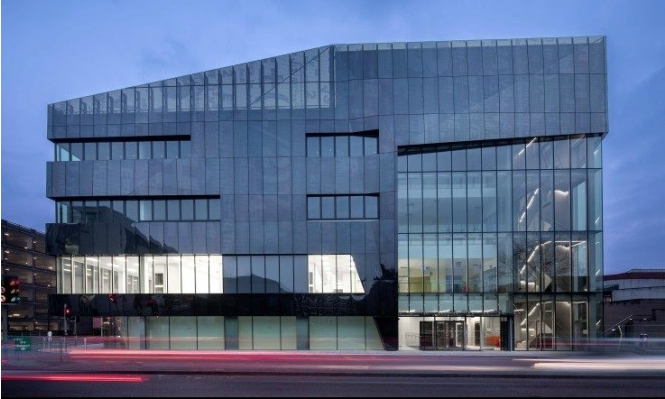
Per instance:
{"type": "Point", "coordinates": [105, 372]}
{"type": "Point", "coordinates": [308, 385]}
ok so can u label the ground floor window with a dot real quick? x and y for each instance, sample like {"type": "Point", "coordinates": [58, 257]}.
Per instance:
{"type": "Point", "coordinates": [242, 333]}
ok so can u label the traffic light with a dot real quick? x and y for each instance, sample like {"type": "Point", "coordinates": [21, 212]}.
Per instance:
{"type": "Point", "coordinates": [11, 289]}
{"type": "Point", "coordinates": [68, 311]}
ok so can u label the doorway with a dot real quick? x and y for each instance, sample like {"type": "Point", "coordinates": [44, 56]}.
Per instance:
{"type": "Point", "coordinates": [442, 335]}
{"type": "Point", "coordinates": [450, 335]}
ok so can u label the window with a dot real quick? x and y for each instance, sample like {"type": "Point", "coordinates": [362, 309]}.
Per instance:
{"type": "Point", "coordinates": [139, 209]}
{"type": "Point", "coordinates": [343, 145]}
{"type": "Point", "coordinates": [342, 207]}
{"type": "Point", "coordinates": [105, 150]}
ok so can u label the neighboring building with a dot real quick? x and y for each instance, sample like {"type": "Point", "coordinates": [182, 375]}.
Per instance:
{"type": "Point", "coordinates": [635, 303]}
{"type": "Point", "coordinates": [26, 265]}
{"type": "Point", "coordinates": [413, 196]}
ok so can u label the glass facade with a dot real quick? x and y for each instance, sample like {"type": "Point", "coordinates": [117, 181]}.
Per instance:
{"type": "Point", "coordinates": [404, 196]}
{"type": "Point", "coordinates": [502, 229]}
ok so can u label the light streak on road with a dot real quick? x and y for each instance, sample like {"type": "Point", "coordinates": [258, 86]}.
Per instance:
{"type": "Point", "coordinates": [73, 377]}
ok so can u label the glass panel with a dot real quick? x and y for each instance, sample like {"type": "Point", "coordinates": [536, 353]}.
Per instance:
{"type": "Point", "coordinates": [90, 153]}
{"type": "Point", "coordinates": [145, 210]}
{"type": "Point", "coordinates": [187, 209]}
{"type": "Point", "coordinates": [159, 210]}
{"type": "Point", "coordinates": [356, 146]}
{"type": "Point", "coordinates": [266, 330]}
{"type": "Point", "coordinates": [519, 200]}
{"type": "Point", "coordinates": [578, 201]}
{"type": "Point", "coordinates": [117, 150]}
{"type": "Point", "coordinates": [371, 207]}
{"type": "Point", "coordinates": [562, 200]}
{"type": "Point", "coordinates": [76, 151]}
{"type": "Point", "coordinates": [216, 275]}
{"type": "Point", "coordinates": [505, 264]}
{"type": "Point", "coordinates": [62, 152]}
{"type": "Point", "coordinates": [300, 283]}
{"type": "Point", "coordinates": [92, 275]}
{"type": "Point", "coordinates": [533, 196]}
{"type": "Point", "coordinates": [489, 198]}
{"type": "Point", "coordinates": [272, 274]}
{"type": "Point", "coordinates": [146, 274]}
{"type": "Point", "coordinates": [201, 209]}
{"type": "Point", "coordinates": [156, 99]}
{"type": "Point", "coordinates": [245, 332]}
{"type": "Point", "coordinates": [594, 156]}
{"type": "Point", "coordinates": [132, 210]}
{"type": "Point", "coordinates": [188, 270]}
{"type": "Point", "coordinates": [595, 204]}
{"type": "Point", "coordinates": [459, 201]}
{"type": "Point", "coordinates": [160, 271]}
{"type": "Point", "coordinates": [323, 332]}
{"type": "Point", "coordinates": [342, 146]}
{"type": "Point", "coordinates": [173, 209]}
{"type": "Point", "coordinates": [119, 271]}
{"type": "Point", "coordinates": [357, 207]}
{"type": "Point", "coordinates": [158, 150]}
{"type": "Point", "coordinates": [172, 150]}
{"type": "Point", "coordinates": [342, 207]}
{"type": "Point", "coordinates": [562, 259]}
{"type": "Point", "coordinates": [230, 274]}
{"type": "Point", "coordinates": [578, 153]}
{"type": "Point", "coordinates": [77, 275]}
{"type": "Point", "coordinates": [174, 279]}
{"type": "Point", "coordinates": [104, 151]}
{"type": "Point", "coordinates": [489, 158]}
{"type": "Point", "coordinates": [170, 99]}
{"type": "Point", "coordinates": [444, 198]}
{"type": "Point", "coordinates": [244, 275]}
{"type": "Point", "coordinates": [532, 155]}
{"type": "Point", "coordinates": [327, 207]}
{"type": "Point", "coordinates": [561, 154]}
{"type": "Point", "coordinates": [144, 150]}
{"type": "Point", "coordinates": [286, 274]}
{"type": "Point", "coordinates": [105, 267]}
{"type": "Point", "coordinates": [132, 280]}
{"type": "Point", "coordinates": [157, 332]}
{"type": "Point", "coordinates": [258, 274]}
{"type": "Point", "coordinates": [210, 332]}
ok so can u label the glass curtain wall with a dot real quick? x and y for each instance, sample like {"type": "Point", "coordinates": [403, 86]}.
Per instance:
{"type": "Point", "coordinates": [208, 274]}
{"type": "Point", "coordinates": [509, 229]}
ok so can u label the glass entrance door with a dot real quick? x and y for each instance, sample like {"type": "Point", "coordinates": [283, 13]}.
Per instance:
{"type": "Point", "coordinates": [450, 335]}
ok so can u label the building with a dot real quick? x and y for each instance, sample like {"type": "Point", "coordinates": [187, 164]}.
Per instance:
{"type": "Point", "coordinates": [30, 272]}
{"type": "Point", "coordinates": [399, 196]}
{"type": "Point", "coordinates": [635, 304]}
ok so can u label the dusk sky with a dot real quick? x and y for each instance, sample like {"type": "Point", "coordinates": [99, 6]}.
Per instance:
{"type": "Point", "coordinates": [60, 50]}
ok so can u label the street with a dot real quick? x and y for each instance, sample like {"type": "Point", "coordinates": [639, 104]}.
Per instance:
{"type": "Point", "coordinates": [228, 385]}
{"type": "Point", "coordinates": [141, 373]}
